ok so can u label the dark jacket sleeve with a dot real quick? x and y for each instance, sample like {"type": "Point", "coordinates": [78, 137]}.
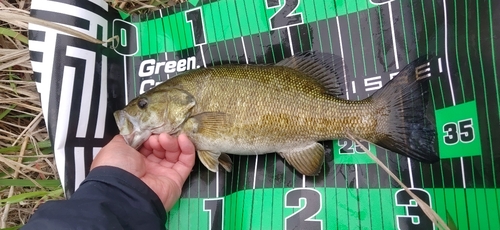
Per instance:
{"type": "Point", "coordinates": [109, 198]}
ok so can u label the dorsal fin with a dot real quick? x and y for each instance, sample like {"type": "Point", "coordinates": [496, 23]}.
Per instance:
{"type": "Point", "coordinates": [327, 69]}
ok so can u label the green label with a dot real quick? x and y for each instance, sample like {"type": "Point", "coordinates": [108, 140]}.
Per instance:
{"type": "Point", "coordinates": [337, 208]}
{"type": "Point", "coordinates": [226, 19]}
{"type": "Point", "coordinates": [346, 151]}
{"type": "Point", "coordinates": [458, 131]}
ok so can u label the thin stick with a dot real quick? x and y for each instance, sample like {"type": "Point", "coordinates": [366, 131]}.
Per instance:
{"type": "Point", "coordinates": [30, 127]}
{"type": "Point", "coordinates": [429, 212]}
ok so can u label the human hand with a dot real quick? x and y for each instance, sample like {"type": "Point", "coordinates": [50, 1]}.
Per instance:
{"type": "Point", "coordinates": [163, 163]}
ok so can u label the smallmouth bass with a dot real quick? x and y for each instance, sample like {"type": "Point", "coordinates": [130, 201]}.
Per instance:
{"type": "Point", "coordinates": [284, 108]}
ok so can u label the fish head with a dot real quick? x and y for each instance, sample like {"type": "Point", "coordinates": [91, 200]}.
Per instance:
{"type": "Point", "coordinates": [154, 112]}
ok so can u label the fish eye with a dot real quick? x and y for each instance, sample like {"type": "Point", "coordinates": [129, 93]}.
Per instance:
{"type": "Point", "coordinates": [143, 102]}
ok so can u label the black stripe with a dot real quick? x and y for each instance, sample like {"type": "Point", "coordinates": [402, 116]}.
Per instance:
{"type": "Point", "coordinates": [435, 173]}
{"type": "Point", "coordinates": [468, 167]}
{"type": "Point", "coordinates": [330, 169]}
{"type": "Point", "coordinates": [36, 56]}
{"type": "Point", "coordinates": [37, 76]}
{"type": "Point", "coordinates": [211, 186]}
{"type": "Point", "coordinates": [69, 170]}
{"type": "Point", "coordinates": [393, 163]}
{"type": "Point", "coordinates": [365, 17]}
{"type": "Point", "coordinates": [87, 5]}
{"type": "Point", "coordinates": [296, 38]}
{"type": "Point", "coordinates": [363, 176]}
{"type": "Point", "coordinates": [261, 172]}
{"type": "Point", "coordinates": [372, 174]}
{"type": "Point", "coordinates": [61, 18]}
{"type": "Point", "coordinates": [36, 35]}
{"type": "Point", "coordinates": [384, 178]}
{"type": "Point", "coordinates": [380, 41]}
{"type": "Point", "coordinates": [457, 171]}
{"type": "Point", "coordinates": [88, 157]}
{"type": "Point", "coordinates": [340, 172]}
{"type": "Point", "coordinates": [426, 176]}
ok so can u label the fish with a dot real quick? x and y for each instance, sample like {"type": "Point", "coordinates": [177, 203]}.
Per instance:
{"type": "Point", "coordinates": [285, 108]}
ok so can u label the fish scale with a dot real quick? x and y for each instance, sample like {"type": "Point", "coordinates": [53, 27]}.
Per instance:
{"type": "Point", "coordinates": [269, 102]}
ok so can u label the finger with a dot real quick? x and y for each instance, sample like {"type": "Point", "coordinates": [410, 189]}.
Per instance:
{"type": "Point", "coordinates": [169, 143]}
{"type": "Point", "coordinates": [186, 158]}
{"type": "Point", "coordinates": [150, 145]}
{"type": "Point", "coordinates": [170, 146]}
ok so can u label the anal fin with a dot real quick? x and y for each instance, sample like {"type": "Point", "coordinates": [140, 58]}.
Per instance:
{"type": "Point", "coordinates": [307, 160]}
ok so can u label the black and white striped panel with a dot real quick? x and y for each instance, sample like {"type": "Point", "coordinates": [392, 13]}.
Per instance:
{"type": "Point", "coordinates": [72, 79]}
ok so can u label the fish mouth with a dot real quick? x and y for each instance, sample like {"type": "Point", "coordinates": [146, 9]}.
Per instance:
{"type": "Point", "coordinates": [136, 138]}
{"type": "Point", "coordinates": [134, 135]}
{"type": "Point", "coordinates": [130, 129]}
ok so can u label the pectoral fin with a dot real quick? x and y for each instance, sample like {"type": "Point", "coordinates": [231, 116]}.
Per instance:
{"type": "Point", "coordinates": [210, 122]}
{"type": "Point", "coordinates": [307, 160]}
{"type": "Point", "coordinates": [212, 160]}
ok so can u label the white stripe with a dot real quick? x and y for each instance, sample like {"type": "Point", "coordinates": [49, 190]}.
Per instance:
{"type": "Point", "coordinates": [463, 171]}
{"type": "Point", "coordinates": [202, 56]}
{"type": "Point", "coordinates": [244, 49]}
{"type": "Point", "coordinates": [217, 183]}
{"type": "Point", "coordinates": [63, 119]}
{"type": "Point", "coordinates": [256, 156]}
{"type": "Point", "coordinates": [101, 115]}
{"type": "Point", "coordinates": [343, 61]}
{"type": "Point", "coordinates": [79, 166]}
{"type": "Point", "coordinates": [125, 78]}
{"type": "Point", "coordinates": [412, 185]}
{"type": "Point", "coordinates": [347, 87]}
{"type": "Point", "coordinates": [394, 48]}
{"type": "Point", "coordinates": [356, 173]}
{"type": "Point", "coordinates": [449, 76]}
{"type": "Point", "coordinates": [440, 65]}
{"type": "Point", "coordinates": [446, 54]}
{"type": "Point", "coordinates": [293, 53]}
{"type": "Point", "coordinates": [255, 171]}
{"type": "Point", "coordinates": [290, 40]}
{"type": "Point", "coordinates": [95, 151]}
{"type": "Point", "coordinates": [88, 80]}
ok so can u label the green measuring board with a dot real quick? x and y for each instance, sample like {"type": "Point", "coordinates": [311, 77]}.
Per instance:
{"type": "Point", "coordinates": [376, 39]}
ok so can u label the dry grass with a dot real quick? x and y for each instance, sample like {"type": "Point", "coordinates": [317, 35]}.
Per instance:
{"type": "Point", "coordinates": [28, 174]}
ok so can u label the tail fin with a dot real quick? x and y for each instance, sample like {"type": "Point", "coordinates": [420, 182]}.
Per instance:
{"type": "Point", "coordinates": [403, 123]}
